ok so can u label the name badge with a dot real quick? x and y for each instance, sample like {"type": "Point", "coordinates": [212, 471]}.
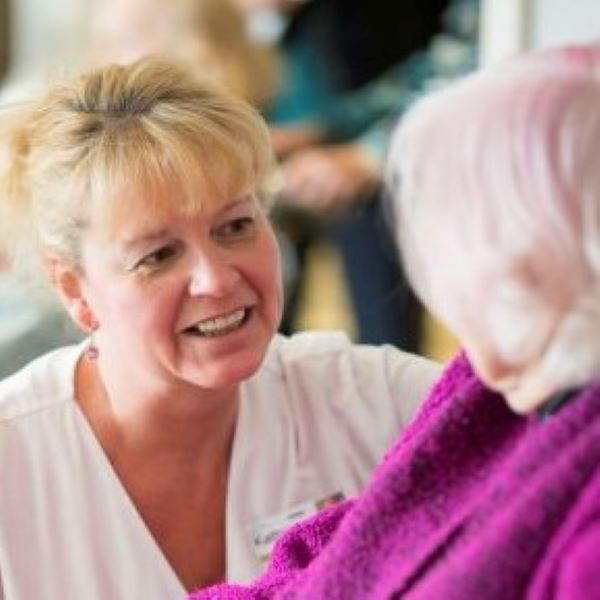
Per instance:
{"type": "Point", "coordinates": [265, 532]}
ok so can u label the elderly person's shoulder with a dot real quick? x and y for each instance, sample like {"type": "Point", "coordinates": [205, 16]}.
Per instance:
{"type": "Point", "coordinates": [43, 383]}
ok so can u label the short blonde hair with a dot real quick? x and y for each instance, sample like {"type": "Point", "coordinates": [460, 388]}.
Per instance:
{"type": "Point", "coordinates": [496, 188]}
{"type": "Point", "coordinates": [70, 157]}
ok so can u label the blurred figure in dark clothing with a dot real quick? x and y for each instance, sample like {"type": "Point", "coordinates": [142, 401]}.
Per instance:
{"type": "Point", "coordinates": [345, 79]}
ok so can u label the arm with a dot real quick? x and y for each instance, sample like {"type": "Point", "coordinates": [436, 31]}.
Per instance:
{"type": "Point", "coordinates": [328, 180]}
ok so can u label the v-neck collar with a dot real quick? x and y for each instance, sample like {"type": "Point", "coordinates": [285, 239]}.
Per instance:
{"type": "Point", "coordinates": [106, 469]}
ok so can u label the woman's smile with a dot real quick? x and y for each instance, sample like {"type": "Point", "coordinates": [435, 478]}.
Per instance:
{"type": "Point", "coordinates": [221, 325]}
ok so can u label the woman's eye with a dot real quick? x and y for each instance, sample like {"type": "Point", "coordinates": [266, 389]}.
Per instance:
{"type": "Point", "coordinates": [157, 258]}
{"type": "Point", "coordinates": [236, 228]}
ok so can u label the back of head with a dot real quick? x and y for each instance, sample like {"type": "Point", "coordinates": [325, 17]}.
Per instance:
{"type": "Point", "coordinates": [498, 203]}
{"type": "Point", "coordinates": [69, 158]}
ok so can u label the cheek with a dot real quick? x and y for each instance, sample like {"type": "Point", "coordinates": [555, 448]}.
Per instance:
{"type": "Point", "coordinates": [156, 311]}
{"type": "Point", "coordinates": [138, 310]}
{"type": "Point", "coordinates": [266, 274]}
{"type": "Point", "coordinates": [158, 308]}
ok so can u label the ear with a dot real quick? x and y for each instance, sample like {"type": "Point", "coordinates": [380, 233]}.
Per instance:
{"type": "Point", "coordinates": [68, 282]}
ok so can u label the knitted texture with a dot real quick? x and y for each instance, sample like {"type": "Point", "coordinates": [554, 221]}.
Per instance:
{"type": "Point", "coordinates": [472, 501]}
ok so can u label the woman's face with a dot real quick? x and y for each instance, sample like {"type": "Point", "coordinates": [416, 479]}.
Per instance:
{"type": "Point", "coordinates": [187, 298]}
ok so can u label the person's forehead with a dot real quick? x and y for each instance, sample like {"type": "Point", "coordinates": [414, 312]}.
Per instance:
{"type": "Point", "coordinates": [138, 208]}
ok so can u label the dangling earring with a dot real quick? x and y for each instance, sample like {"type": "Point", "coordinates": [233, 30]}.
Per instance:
{"type": "Point", "coordinates": [92, 351]}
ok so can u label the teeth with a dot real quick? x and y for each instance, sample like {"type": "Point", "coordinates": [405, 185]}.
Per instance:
{"type": "Point", "coordinates": [221, 325]}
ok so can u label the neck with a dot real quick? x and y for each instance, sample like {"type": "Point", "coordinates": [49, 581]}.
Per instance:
{"type": "Point", "coordinates": [181, 422]}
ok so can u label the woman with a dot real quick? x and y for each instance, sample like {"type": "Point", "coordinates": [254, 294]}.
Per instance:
{"type": "Point", "coordinates": [493, 491]}
{"type": "Point", "coordinates": [167, 452]}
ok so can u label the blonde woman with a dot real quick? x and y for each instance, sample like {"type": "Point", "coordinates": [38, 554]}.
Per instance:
{"type": "Point", "coordinates": [167, 451]}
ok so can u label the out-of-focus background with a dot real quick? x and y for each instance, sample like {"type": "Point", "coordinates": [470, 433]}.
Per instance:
{"type": "Point", "coordinates": [331, 77]}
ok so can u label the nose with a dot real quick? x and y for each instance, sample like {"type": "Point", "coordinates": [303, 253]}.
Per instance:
{"type": "Point", "coordinates": [213, 275]}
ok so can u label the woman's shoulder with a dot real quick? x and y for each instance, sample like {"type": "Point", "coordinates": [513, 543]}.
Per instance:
{"type": "Point", "coordinates": [44, 381]}
{"type": "Point", "coordinates": [309, 347]}
{"type": "Point", "coordinates": [329, 369]}
{"type": "Point", "coordinates": [309, 343]}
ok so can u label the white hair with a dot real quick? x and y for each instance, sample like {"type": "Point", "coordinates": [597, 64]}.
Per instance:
{"type": "Point", "coordinates": [496, 187]}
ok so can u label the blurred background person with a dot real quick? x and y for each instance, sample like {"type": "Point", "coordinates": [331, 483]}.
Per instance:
{"type": "Point", "coordinates": [211, 35]}
{"type": "Point", "coordinates": [345, 85]}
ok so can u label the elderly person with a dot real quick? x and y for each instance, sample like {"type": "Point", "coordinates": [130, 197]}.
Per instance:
{"type": "Point", "coordinates": [494, 490]}
{"type": "Point", "coordinates": [165, 452]}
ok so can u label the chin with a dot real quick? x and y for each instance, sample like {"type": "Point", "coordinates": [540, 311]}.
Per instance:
{"type": "Point", "coordinates": [527, 398]}
{"type": "Point", "coordinates": [224, 376]}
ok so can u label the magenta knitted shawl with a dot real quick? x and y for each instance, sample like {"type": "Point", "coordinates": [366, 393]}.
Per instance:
{"type": "Point", "coordinates": [472, 503]}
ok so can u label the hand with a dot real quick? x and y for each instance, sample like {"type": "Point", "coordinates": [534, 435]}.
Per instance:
{"type": "Point", "coordinates": [329, 179]}
{"type": "Point", "coordinates": [287, 140]}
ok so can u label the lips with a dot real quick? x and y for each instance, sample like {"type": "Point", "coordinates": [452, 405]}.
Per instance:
{"type": "Point", "coordinates": [221, 325]}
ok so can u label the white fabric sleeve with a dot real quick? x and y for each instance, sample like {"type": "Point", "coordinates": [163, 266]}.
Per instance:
{"type": "Point", "coordinates": [411, 378]}
{"type": "Point", "coordinates": [395, 383]}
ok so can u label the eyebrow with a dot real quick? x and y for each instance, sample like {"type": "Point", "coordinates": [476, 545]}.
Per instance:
{"type": "Point", "coordinates": [160, 234]}
{"type": "Point", "coordinates": [146, 238]}
{"type": "Point", "coordinates": [234, 203]}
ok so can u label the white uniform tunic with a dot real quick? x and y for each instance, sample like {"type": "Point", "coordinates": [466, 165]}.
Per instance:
{"type": "Point", "coordinates": [312, 424]}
